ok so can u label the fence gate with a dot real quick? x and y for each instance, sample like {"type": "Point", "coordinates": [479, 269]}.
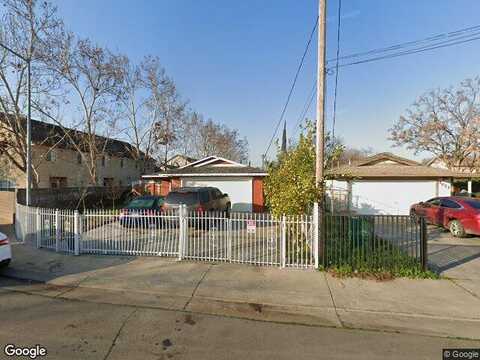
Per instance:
{"type": "Point", "coordinates": [258, 239]}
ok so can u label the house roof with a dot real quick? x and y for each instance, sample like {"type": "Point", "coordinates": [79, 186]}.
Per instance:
{"type": "Point", "coordinates": [211, 160]}
{"type": "Point", "coordinates": [387, 165]}
{"type": "Point", "coordinates": [386, 157]}
{"type": "Point", "coordinates": [54, 135]}
{"type": "Point", "coordinates": [211, 166]}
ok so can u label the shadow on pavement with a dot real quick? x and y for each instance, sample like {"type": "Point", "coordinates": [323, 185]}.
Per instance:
{"type": "Point", "coordinates": [44, 265]}
{"type": "Point", "coordinates": [445, 257]}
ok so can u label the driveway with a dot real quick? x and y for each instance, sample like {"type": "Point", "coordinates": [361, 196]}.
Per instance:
{"type": "Point", "coordinates": [457, 258]}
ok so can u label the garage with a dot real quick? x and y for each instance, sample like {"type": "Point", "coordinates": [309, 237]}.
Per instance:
{"type": "Point", "coordinates": [242, 183]}
{"type": "Point", "coordinates": [378, 197]}
{"type": "Point", "coordinates": [238, 189]}
{"type": "Point", "coordinates": [387, 184]}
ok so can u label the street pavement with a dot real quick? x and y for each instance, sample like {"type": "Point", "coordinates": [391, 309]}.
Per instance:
{"type": "Point", "coordinates": [83, 329]}
{"type": "Point", "coordinates": [425, 307]}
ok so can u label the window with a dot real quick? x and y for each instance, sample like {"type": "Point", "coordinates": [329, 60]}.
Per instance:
{"type": "Point", "coordinates": [7, 185]}
{"type": "Point", "coordinates": [434, 202]}
{"type": "Point", "coordinates": [108, 182]}
{"type": "Point", "coordinates": [51, 156]}
{"type": "Point", "coordinates": [204, 196]}
{"type": "Point", "coordinates": [473, 203]}
{"type": "Point", "coordinates": [79, 158]}
{"type": "Point", "coordinates": [121, 162]}
{"type": "Point", "coordinates": [446, 203]}
{"type": "Point", "coordinates": [187, 198]}
{"type": "Point", "coordinates": [216, 194]}
{"type": "Point", "coordinates": [57, 182]}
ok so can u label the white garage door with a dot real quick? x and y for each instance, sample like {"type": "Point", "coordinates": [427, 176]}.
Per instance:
{"type": "Point", "coordinates": [393, 197]}
{"type": "Point", "coordinates": [238, 189]}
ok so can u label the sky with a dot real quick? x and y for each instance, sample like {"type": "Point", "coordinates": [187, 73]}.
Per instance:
{"type": "Point", "coordinates": [234, 61]}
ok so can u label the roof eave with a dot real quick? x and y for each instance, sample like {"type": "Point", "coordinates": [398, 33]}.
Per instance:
{"type": "Point", "coordinates": [163, 176]}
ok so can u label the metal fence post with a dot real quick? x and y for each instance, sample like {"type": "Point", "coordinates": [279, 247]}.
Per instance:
{"type": "Point", "coordinates": [77, 232]}
{"type": "Point", "coordinates": [181, 239]}
{"type": "Point", "coordinates": [283, 242]}
{"type": "Point", "coordinates": [229, 238]}
{"type": "Point", "coordinates": [423, 244]}
{"type": "Point", "coordinates": [38, 227]}
{"type": "Point", "coordinates": [315, 234]}
{"type": "Point", "coordinates": [57, 231]}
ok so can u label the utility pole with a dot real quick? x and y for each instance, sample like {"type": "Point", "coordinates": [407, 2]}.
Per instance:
{"type": "Point", "coordinates": [29, 134]}
{"type": "Point", "coordinates": [320, 128]}
{"type": "Point", "coordinates": [29, 121]}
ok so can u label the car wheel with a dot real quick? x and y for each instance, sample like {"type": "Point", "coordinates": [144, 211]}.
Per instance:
{"type": "Point", "coordinates": [456, 228]}
{"type": "Point", "coordinates": [4, 263]}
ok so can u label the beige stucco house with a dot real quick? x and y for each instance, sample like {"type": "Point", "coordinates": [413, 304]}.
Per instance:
{"type": "Point", "coordinates": [56, 163]}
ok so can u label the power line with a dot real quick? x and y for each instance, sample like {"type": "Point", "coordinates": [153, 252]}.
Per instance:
{"type": "Point", "coordinates": [306, 107]}
{"type": "Point", "coordinates": [339, 24]}
{"type": "Point", "coordinates": [434, 42]}
{"type": "Point", "coordinates": [413, 51]}
{"type": "Point", "coordinates": [292, 87]}
{"type": "Point", "coordinates": [438, 41]}
{"type": "Point", "coordinates": [441, 36]}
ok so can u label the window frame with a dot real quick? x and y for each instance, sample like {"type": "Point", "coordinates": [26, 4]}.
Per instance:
{"type": "Point", "coordinates": [458, 206]}
{"type": "Point", "coordinates": [51, 155]}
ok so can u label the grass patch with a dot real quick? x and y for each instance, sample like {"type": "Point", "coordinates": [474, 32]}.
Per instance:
{"type": "Point", "coordinates": [381, 274]}
{"type": "Point", "coordinates": [354, 250]}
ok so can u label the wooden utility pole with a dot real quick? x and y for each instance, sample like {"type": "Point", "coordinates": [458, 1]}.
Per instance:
{"type": "Point", "coordinates": [321, 95]}
{"type": "Point", "coordinates": [320, 129]}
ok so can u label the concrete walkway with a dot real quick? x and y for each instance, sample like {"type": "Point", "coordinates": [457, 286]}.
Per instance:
{"type": "Point", "coordinates": [427, 307]}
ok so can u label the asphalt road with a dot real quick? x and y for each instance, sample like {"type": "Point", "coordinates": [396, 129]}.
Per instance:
{"type": "Point", "coordinates": [86, 330]}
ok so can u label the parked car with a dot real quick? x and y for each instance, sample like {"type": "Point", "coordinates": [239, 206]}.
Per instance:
{"type": "Point", "coordinates": [138, 212]}
{"type": "Point", "coordinates": [201, 199]}
{"type": "Point", "coordinates": [460, 215]}
{"type": "Point", "coordinates": [5, 250]}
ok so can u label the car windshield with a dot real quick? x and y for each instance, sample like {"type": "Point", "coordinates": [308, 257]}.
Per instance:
{"type": "Point", "coordinates": [473, 203]}
{"type": "Point", "coordinates": [187, 198]}
{"type": "Point", "coordinates": [141, 204]}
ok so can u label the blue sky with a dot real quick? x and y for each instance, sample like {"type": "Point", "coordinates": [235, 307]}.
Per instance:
{"type": "Point", "coordinates": [235, 60]}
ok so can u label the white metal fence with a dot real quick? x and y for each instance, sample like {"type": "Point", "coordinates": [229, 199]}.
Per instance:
{"type": "Point", "coordinates": [258, 239]}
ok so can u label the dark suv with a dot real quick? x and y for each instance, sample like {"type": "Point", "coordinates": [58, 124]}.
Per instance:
{"type": "Point", "coordinates": [200, 199]}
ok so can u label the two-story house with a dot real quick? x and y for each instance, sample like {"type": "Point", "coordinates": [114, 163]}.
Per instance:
{"type": "Point", "coordinates": [58, 163]}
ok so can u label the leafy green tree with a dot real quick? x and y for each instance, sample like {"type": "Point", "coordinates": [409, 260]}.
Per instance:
{"type": "Point", "coordinates": [290, 187]}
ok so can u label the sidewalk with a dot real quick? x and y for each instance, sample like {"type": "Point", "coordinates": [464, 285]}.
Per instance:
{"type": "Point", "coordinates": [426, 307]}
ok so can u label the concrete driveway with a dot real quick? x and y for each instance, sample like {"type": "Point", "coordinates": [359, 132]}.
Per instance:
{"type": "Point", "coordinates": [457, 258]}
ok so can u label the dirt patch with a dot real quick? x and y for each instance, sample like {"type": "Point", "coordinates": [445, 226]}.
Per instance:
{"type": "Point", "coordinates": [189, 320]}
{"type": "Point", "coordinates": [257, 307]}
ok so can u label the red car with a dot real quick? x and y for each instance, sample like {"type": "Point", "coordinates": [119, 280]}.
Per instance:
{"type": "Point", "coordinates": [460, 215]}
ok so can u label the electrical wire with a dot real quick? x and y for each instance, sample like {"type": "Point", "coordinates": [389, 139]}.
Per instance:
{"type": "Point", "coordinates": [306, 107]}
{"type": "Point", "coordinates": [339, 25]}
{"type": "Point", "coordinates": [403, 45]}
{"type": "Point", "coordinates": [292, 87]}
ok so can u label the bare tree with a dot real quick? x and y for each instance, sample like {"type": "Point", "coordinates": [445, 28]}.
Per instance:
{"type": "Point", "coordinates": [352, 155]}
{"type": "Point", "coordinates": [29, 28]}
{"type": "Point", "coordinates": [133, 97]}
{"type": "Point", "coordinates": [165, 107]}
{"type": "Point", "coordinates": [444, 123]}
{"type": "Point", "coordinates": [94, 75]}
{"type": "Point", "coordinates": [200, 138]}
